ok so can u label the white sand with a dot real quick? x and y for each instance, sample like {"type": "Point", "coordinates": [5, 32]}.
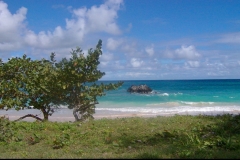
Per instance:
{"type": "Point", "coordinates": [65, 115]}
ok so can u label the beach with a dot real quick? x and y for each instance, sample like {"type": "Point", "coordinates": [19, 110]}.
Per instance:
{"type": "Point", "coordinates": [65, 115]}
{"type": "Point", "coordinates": [169, 97]}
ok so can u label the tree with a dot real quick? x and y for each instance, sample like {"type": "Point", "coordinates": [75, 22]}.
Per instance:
{"type": "Point", "coordinates": [46, 84]}
{"type": "Point", "coordinates": [79, 75]}
{"type": "Point", "coordinates": [25, 82]}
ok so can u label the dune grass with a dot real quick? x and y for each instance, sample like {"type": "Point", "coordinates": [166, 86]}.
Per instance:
{"type": "Point", "coordinates": [145, 138]}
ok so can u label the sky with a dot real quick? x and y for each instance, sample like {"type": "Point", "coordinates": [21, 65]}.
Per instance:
{"type": "Point", "coordinates": [142, 39]}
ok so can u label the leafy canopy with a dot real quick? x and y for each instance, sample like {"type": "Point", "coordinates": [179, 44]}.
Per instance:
{"type": "Point", "coordinates": [47, 84]}
{"type": "Point", "coordinates": [79, 75]}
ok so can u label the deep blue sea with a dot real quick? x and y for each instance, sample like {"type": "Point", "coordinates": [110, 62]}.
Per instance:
{"type": "Point", "coordinates": [174, 97]}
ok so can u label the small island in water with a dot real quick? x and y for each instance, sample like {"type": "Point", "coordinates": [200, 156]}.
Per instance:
{"type": "Point", "coordinates": [143, 89]}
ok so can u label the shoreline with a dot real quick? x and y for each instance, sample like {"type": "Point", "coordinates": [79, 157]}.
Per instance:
{"type": "Point", "coordinates": [65, 115]}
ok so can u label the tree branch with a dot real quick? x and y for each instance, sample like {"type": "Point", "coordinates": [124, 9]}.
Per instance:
{"type": "Point", "coordinates": [76, 110]}
{"type": "Point", "coordinates": [29, 115]}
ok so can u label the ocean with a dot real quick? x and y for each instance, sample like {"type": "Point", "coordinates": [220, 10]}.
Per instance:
{"type": "Point", "coordinates": [169, 97]}
{"type": "Point", "coordinates": [174, 97]}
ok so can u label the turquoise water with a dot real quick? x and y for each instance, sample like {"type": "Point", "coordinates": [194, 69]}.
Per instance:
{"type": "Point", "coordinates": [169, 97]}
{"type": "Point", "coordinates": [174, 96]}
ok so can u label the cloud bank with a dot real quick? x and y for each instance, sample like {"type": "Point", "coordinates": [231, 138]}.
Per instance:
{"type": "Point", "coordinates": [15, 35]}
{"type": "Point", "coordinates": [124, 57]}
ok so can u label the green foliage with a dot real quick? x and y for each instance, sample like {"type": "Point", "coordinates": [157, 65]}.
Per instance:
{"type": "Point", "coordinates": [195, 137]}
{"type": "Point", "coordinates": [79, 75]}
{"type": "Point", "coordinates": [61, 140]}
{"type": "Point", "coordinates": [25, 82]}
{"type": "Point", "coordinates": [46, 84]}
{"type": "Point", "coordinates": [31, 140]}
{"type": "Point", "coordinates": [7, 132]}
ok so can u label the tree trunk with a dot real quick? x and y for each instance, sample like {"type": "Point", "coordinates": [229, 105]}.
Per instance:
{"type": "Point", "coordinates": [45, 114]}
{"type": "Point", "coordinates": [76, 114]}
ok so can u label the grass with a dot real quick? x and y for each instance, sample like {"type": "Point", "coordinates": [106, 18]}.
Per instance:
{"type": "Point", "coordinates": [142, 138]}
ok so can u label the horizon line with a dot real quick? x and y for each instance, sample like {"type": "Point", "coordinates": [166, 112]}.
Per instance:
{"type": "Point", "coordinates": [171, 79]}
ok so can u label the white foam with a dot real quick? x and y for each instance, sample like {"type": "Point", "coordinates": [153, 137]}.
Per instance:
{"type": "Point", "coordinates": [176, 110]}
{"type": "Point", "coordinates": [188, 103]}
{"type": "Point", "coordinates": [164, 94]}
{"type": "Point", "coordinates": [173, 107]}
{"type": "Point", "coordinates": [197, 103]}
{"type": "Point", "coordinates": [167, 104]}
{"type": "Point", "coordinates": [175, 94]}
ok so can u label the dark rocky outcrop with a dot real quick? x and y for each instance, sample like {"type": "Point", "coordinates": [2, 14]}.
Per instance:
{"type": "Point", "coordinates": [139, 89]}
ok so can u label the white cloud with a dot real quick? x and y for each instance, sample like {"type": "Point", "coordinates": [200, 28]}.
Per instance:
{"type": "Point", "coordinates": [104, 63]}
{"type": "Point", "coordinates": [115, 4]}
{"type": "Point", "coordinates": [150, 50]}
{"type": "Point", "coordinates": [137, 74]}
{"type": "Point", "coordinates": [136, 62]}
{"type": "Point", "coordinates": [186, 53]}
{"type": "Point", "coordinates": [118, 65]}
{"type": "Point", "coordinates": [230, 38]}
{"type": "Point", "coordinates": [11, 28]}
{"type": "Point", "coordinates": [113, 44]}
{"type": "Point", "coordinates": [129, 27]}
{"type": "Point", "coordinates": [102, 18]}
{"type": "Point", "coordinates": [193, 64]}
{"type": "Point", "coordinates": [129, 47]}
{"type": "Point", "coordinates": [85, 21]}
{"type": "Point", "coordinates": [11, 24]}
{"type": "Point", "coordinates": [107, 57]}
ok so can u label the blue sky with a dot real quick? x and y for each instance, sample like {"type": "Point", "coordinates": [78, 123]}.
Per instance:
{"type": "Point", "coordinates": [142, 39]}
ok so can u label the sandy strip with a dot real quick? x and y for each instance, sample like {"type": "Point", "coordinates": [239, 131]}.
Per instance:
{"type": "Point", "coordinates": [65, 115]}
{"type": "Point", "coordinates": [71, 118]}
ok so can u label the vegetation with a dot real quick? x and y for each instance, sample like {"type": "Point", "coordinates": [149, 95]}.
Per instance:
{"type": "Point", "coordinates": [47, 84]}
{"type": "Point", "coordinates": [150, 138]}
{"type": "Point", "coordinates": [25, 82]}
{"type": "Point", "coordinates": [74, 73]}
